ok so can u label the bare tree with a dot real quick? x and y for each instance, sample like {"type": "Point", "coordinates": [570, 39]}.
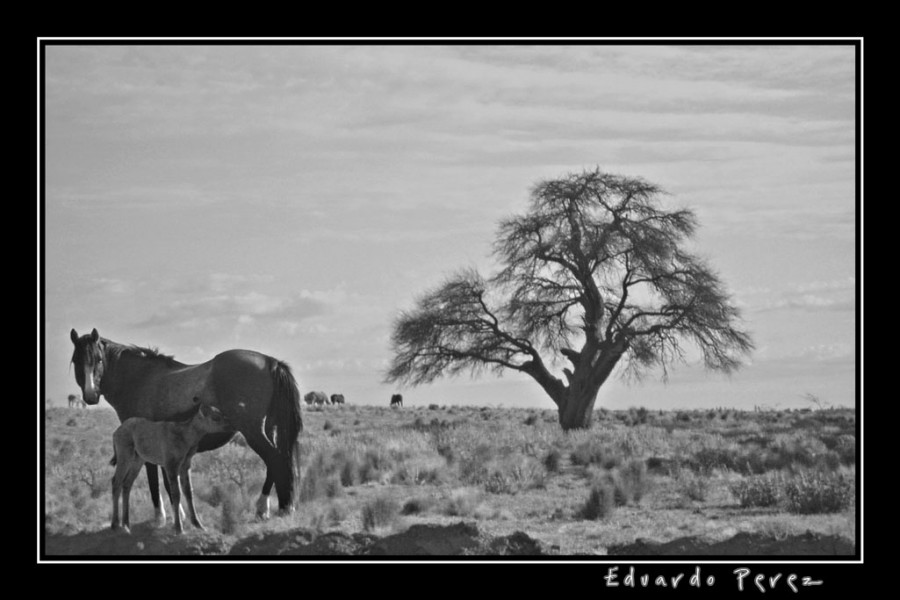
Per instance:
{"type": "Point", "coordinates": [595, 272]}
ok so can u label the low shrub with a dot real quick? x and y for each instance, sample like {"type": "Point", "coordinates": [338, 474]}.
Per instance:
{"type": "Point", "coordinates": [641, 415]}
{"type": "Point", "coordinates": [417, 506]}
{"type": "Point", "coordinates": [380, 513]}
{"type": "Point", "coordinates": [816, 492]}
{"type": "Point", "coordinates": [462, 502]}
{"type": "Point", "coordinates": [232, 508]}
{"type": "Point", "coordinates": [635, 480]}
{"type": "Point", "coordinates": [447, 451]}
{"type": "Point", "coordinates": [760, 491]}
{"type": "Point", "coordinates": [325, 476]}
{"type": "Point", "coordinates": [510, 475]}
{"type": "Point", "coordinates": [337, 513]}
{"type": "Point", "coordinates": [552, 460]}
{"type": "Point", "coordinates": [600, 503]}
{"type": "Point", "coordinates": [693, 486]}
{"type": "Point", "coordinates": [592, 452]}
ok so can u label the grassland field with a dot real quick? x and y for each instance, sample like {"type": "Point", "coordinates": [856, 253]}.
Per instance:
{"type": "Point", "coordinates": [635, 474]}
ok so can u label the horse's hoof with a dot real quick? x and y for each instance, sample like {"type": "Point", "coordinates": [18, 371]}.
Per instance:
{"type": "Point", "coordinates": [262, 508]}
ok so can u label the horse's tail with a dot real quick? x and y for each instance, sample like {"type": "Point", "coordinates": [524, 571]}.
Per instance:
{"type": "Point", "coordinates": [284, 414]}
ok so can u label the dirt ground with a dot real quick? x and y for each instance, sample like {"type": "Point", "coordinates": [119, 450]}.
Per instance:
{"type": "Point", "coordinates": [459, 539]}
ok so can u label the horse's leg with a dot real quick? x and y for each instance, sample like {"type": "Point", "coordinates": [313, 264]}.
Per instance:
{"type": "Point", "coordinates": [189, 494]}
{"type": "Point", "coordinates": [158, 506]}
{"type": "Point", "coordinates": [260, 445]}
{"type": "Point", "coordinates": [282, 483]}
{"type": "Point", "coordinates": [172, 475]}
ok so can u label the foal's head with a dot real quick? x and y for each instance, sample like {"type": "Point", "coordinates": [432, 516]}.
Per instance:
{"type": "Point", "coordinates": [211, 420]}
{"type": "Point", "coordinates": [88, 360]}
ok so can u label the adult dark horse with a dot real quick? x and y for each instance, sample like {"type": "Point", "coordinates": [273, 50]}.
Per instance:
{"type": "Point", "coordinates": [257, 393]}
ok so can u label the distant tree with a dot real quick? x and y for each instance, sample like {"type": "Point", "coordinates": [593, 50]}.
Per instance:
{"type": "Point", "coordinates": [816, 401]}
{"type": "Point", "coordinates": [595, 272]}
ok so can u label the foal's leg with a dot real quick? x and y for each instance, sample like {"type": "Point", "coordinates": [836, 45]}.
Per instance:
{"type": "Point", "coordinates": [130, 476]}
{"type": "Point", "coordinates": [168, 487]}
{"type": "Point", "coordinates": [116, 493]}
{"type": "Point", "coordinates": [159, 507]}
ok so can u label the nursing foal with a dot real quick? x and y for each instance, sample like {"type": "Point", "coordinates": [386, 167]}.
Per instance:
{"type": "Point", "coordinates": [168, 444]}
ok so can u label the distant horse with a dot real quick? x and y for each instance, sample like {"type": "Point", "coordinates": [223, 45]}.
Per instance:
{"type": "Point", "coordinates": [76, 402]}
{"type": "Point", "coordinates": [168, 444]}
{"type": "Point", "coordinates": [337, 398]}
{"type": "Point", "coordinates": [256, 393]}
{"type": "Point", "coordinates": [317, 398]}
{"type": "Point", "coordinates": [396, 400]}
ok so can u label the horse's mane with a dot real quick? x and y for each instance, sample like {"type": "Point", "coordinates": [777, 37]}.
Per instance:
{"type": "Point", "coordinates": [117, 350]}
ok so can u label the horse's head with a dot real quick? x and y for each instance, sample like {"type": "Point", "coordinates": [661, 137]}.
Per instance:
{"type": "Point", "coordinates": [88, 360]}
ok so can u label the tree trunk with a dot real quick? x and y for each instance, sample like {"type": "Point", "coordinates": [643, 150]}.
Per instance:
{"type": "Point", "coordinates": [577, 408]}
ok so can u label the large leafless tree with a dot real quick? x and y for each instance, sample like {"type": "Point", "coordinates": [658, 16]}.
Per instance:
{"type": "Point", "coordinates": [594, 274]}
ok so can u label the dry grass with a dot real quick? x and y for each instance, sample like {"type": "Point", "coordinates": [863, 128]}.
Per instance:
{"type": "Point", "coordinates": [510, 469]}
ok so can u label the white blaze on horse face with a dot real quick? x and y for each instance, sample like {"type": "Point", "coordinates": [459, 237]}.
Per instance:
{"type": "Point", "coordinates": [90, 391]}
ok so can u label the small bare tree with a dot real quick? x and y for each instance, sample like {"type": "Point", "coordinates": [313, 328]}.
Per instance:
{"type": "Point", "coordinates": [595, 272]}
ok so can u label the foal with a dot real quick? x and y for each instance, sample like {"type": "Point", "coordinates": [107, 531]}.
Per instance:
{"type": "Point", "coordinates": [168, 444]}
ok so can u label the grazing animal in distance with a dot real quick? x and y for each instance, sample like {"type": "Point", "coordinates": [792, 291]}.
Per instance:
{"type": "Point", "coordinates": [257, 393]}
{"type": "Point", "coordinates": [168, 444]}
{"type": "Point", "coordinates": [76, 402]}
{"type": "Point", "coordinates": [317, 398]}
{"type": "Point", "coordinates": [396, 400]}
{"type": "Point", "coordinates": [337, 398]}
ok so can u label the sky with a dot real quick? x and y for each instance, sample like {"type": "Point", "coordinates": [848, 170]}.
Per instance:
{"type": "Point", "coordinates": [294, 199]}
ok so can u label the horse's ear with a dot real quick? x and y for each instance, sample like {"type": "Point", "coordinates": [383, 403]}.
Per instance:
{"type": "Point", "coordinates": [74, 335]}
{"type": "Point", "coordinates": [94, 335]}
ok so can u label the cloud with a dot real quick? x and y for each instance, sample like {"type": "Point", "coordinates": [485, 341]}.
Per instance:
{"type": "Point", "coordinates": [827, 352]}
{"type": "Point", "coordinates": [800, 222]}
{"type": "Point", "coordinates": [110, 285]}
{"type": "Point", "coordinates": [809, 302]}
{"type": "Point", "coordinates": [810, 296]}
{"type": "Point", "coordinates": [340, 367]}
{"type": "Point", "coordinates": [242, 309]}
{"type": "Point", "coordinates": [834, 285]}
